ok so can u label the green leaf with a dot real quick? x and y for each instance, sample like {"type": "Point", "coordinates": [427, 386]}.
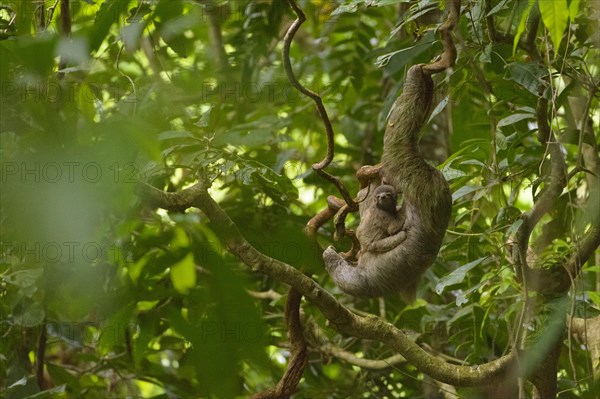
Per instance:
{"type": "Point", "coordinates": [528, 75]}
{"type": "Point", "coordinates": [407, 52]}
{"type": "Point", "coordinates": [594, 296]}
{"type": "Point", "coordinates": [30, 315]}
{"type": "Point", "coordinates": [439, 108]}
{"type": "Point", "coordinates": [457, 276]}
{"type": "Point", "coordinates": [514, 118]}
{"type": "Point", "coordinates": [49, 393]}
{"type": "Point", "coordinates": [486, 54]}
{"type": "Point", "coordinates": [113, 332]}
{"type": "Point", "coordinates": [183, 274]}
{"type": "Point", "coordinates": [86, 101]}
{"type": "Point", "coordinates": [465, 190]}
{"type": "Point", "coordinates": [37, 55]}
{"type": "Point", "coordinates": [512, 230]}
{"type": "Point", "coordinates": [497, 8]}
{"type": "Point", "coordinates": [573, 10]}
{"type": "Point", "coordinates": [168, 9]}
{"type": "Point", "coordinates": [279, 187]}
{"type": "Point", "coordinates": [24, 278]}
{"type": "Point", "coordinates": [522, 23]}
{"type": "Point", "coordinates": [108, 14]}
{"type": "Point", "coordinates": [175, 134]}
{"type": "Point", "coordinates": [463, 296]}
{"type": "Point", "coordinates": [345, 8]}
{"type": "Point", "coordinates": [555, 15]}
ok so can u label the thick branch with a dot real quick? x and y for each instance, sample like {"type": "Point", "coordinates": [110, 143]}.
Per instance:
{"type": "Point", "coordinates": [341, 318]}
{"type": "Point", "coordinates": [270, 294]}
{"type": "Point", "coordinates": [65, 23]}
{"type": "Point", "coordinates": [215, 16]}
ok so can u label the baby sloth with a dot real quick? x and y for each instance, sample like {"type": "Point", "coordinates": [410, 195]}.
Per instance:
{"type": "Point", "coordinates": [380, 227]}
{"type": "Point", "coordinates": [381, 239]}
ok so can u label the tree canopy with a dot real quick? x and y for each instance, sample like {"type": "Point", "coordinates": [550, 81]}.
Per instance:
{"type": "Point", "coordinates": [160, 161]}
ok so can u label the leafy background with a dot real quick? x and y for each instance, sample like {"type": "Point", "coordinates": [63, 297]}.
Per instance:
{"type": "Point", "coordinates": [135, 302]}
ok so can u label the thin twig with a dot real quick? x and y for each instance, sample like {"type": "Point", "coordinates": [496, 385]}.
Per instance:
{"type": "Point", "coordinates": [287, 64]}
{"type": "Point", "coordinates": [448, 57]}
{"type": "Point", "coordinates": [298, 351]}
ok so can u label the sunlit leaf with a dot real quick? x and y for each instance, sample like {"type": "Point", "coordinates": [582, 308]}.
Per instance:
{"type": "Point", "coordinates": [555, 15]}
{"type": "Point", "coordinates": [108, 14]}
{"type": "Point", "coordinates": [573, 9]}
{"type": "Point", "coordinates": [183, 274]}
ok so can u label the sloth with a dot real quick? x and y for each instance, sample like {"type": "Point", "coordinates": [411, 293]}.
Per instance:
{"type": "Point", "coordinates": [380, 229]}
{"type": "Point", "coordinates": [426, 209]}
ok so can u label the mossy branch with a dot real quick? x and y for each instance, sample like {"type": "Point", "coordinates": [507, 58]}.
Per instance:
{"type": "Point", "coordinates": [340, 317]}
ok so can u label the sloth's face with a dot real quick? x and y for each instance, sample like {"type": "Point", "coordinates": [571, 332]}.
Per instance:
{"type": "Point", "coordinates": [386, 200]}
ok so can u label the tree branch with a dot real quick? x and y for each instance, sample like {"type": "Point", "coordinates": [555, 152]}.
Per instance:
{"type": "Point", "coordinates": [448, 57]}
{"type": "Point", "coordinates": [287, 64]}
{"type": "Point", "coordinates": [341, 318]}
{"type": "Point", "coordinates": [324, 346]}
{"type": "Point", "coordinates": [554, 184]}
{"type": "Point", "coordinates": [299, 352]}
{"type": "Point", "coordinates": [558, 279]}
{"type": "Point", "coordinates": [588, 332]}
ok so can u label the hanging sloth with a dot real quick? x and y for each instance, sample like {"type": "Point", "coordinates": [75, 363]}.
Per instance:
{"type": "Point", "coordinates": [396, 265]}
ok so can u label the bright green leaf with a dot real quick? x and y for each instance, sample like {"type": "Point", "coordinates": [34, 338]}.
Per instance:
{"type": "Point", "coordinates": [86, 101]}
{"type": "Point", "coordinates": [497, 8]}
{"type": "Point", "coordinates": [594, 296]}
{"type": "Point", "coordinates": [465, 190]}
{"type": "Point", "coordinates": [522, 23]}
{"type": "Point", "coordinates": [108, 14]}
{"type": "Point", "coordinates": [573, 10]}
{"type": "Point", "coordinates": [555, 15]}
{"type": "Point", "coordinates": [183, 274]}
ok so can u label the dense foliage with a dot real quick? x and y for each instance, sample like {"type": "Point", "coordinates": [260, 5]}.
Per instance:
{"type": "Point", "coordinates": [119, 299]}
